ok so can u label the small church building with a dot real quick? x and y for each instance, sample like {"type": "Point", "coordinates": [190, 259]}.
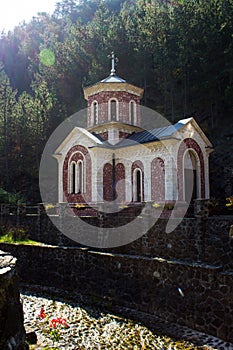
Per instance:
{"type": "Point", "coordinates": [115, 160]}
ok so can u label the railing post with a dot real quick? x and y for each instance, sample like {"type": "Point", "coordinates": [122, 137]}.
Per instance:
{"type": "Point", "coordinates": [62, 210]}
{"type": "Point", "coordinates": [40, 215]}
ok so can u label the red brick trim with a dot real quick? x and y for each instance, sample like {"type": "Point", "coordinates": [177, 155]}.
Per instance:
{"type": "Point", "coordinates": [185, 145]}
{"type": "Point", "coordinates": [157, 180]}
{"type": "Point", "coordinates": [123, 99]}
{"type": "Point", "coordinates": [120, 176]}
{"type": "Point", "coordinates": [107, 182]}
{"type": "Point", "coordinates": [137, 165]}
{"type": "Point", "coordinates": [76, 153]}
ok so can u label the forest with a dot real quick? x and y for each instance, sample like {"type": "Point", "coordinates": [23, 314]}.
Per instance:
{"type": "Point", "coordinates": [180, 52]}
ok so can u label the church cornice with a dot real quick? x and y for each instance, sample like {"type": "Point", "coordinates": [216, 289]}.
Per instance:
{"type": "Point", "coordinates": [120, 126]}
{"type": "Point", "coordinates": [112, 87]}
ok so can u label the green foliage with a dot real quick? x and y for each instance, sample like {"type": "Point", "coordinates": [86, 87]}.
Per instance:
{"type": "Point", "coordinates": [10, 198]}
{"type": "Point", "coordinates": [180, 52]}
{"type": "Point", "coordinates": [17, 234]}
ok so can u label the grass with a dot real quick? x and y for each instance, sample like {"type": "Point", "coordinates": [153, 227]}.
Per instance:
{"type": "Point", "coordinates": [15, 234]}
{"type": "Point", "coordinates": [8, 238]}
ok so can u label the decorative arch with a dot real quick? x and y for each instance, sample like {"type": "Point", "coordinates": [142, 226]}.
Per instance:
{"type": "Point", "coordinates": [80, 177]}
{"type": "Point", "coordinates": [191, 175]}
{"type": "Point", "coordinates": [190, 145]}
{"type": "Point", "coordinates": [132, 112]}
{"type": "Point", "coordinates": [158, 179]}
{"type": "Point", "coordinates": [113, 109]}
{"type": "Point", "coordinates": [95, 112]}
{"type": "Point", "coordinates": [79, 156]}
{"type": "Point", "coordinates": [137, 178]}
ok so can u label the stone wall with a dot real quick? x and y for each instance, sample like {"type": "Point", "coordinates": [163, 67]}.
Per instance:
{"type": "Point", "coordinates": [196, 239]}
{"type": "Point", "coordinates": [12, 333]}
{"type": "Point", "coordinates": [195, 295]}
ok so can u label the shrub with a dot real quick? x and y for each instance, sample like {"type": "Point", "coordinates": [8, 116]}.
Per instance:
{"type": "Point", "coordinates": [10, 198]}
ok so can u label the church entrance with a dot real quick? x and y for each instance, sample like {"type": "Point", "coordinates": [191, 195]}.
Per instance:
{"type": "Point", "coordinates": [191, 177]}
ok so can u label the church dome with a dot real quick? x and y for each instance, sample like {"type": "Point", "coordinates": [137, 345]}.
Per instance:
{"type": "Point", "coordinates": [113, 100]}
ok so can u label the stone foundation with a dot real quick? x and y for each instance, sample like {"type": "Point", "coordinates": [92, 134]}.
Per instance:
{"type": "Point", "coordinates": [192, 294]}
{"type": "Point", "coordinates": [196, 239]}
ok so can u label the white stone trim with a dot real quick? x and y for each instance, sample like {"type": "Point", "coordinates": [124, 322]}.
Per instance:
{"type": "Point", "coordinates": [134, 121]}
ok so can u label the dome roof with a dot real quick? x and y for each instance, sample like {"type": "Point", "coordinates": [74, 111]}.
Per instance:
{"type": "Point", "coordinates": [113, 78]}
{"type": "Point", "coordinates": [112, 83]}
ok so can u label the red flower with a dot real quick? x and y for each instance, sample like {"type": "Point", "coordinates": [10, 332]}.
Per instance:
{"type": "Point", "coordinates": [55, 321]}
{"type": "Point", "coordinates": [42, 314]}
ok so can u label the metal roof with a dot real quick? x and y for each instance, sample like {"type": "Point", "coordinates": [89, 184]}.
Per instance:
{"type": "Point", "coordinates": [147, 136]}
{"type": "Point", "coordinates": [113, 79]}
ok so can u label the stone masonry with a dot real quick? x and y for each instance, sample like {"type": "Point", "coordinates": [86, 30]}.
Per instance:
{"type": "Point", "coordinates": [195, 295]}
{"type": "Point", "coordinates": [12, 333]}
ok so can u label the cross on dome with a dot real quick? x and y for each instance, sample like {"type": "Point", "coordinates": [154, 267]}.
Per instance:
{"type": "Point", "coordinates": [114, 60]}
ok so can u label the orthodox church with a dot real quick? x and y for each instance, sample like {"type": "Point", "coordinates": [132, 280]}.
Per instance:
{"type": "Point", "coordinates": [114, 159]}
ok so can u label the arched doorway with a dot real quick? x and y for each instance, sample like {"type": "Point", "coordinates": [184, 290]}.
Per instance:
{"type": "Point", "coordinates": [191, 176]}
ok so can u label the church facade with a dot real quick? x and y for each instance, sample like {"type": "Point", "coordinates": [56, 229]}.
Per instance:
{"type": "Point", "coordinates": [115, 160]}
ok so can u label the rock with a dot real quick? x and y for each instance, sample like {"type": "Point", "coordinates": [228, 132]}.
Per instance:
{"type": "Point", "coordinates": [31, 337]}
{"type": "Point", "coordinates": [12, 332]}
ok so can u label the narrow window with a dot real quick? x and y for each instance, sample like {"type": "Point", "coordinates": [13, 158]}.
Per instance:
{"type": "Point", "coordinates": [113, 109]}
{"type": "Point", "coordinates": [132, 112]}
{"type": "Point", "coordinates": [95, 112]}
{"type": "Point", "coordinates": [80, 178]}
{"type": "Point", "coordinates": [138, 186]}
{"type": "Point", "coordinates": [73, 177]}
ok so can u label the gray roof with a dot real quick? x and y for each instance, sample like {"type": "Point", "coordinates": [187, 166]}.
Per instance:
{"type": "Point", "coordinates": [147, 136]}
{"type": "Point", "coordinates": [113, 79]}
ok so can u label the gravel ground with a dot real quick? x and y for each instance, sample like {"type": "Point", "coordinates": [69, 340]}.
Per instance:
{"type": "Point", "coordinates": [89, 328]}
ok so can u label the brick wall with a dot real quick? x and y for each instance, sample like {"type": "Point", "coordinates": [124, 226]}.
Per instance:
{"type": "Point", "coordinates": [123, 99]}
{"type": "Point", "coordinates": [78, 153]}
{"type": "Point", "coordinates": [158, 179]}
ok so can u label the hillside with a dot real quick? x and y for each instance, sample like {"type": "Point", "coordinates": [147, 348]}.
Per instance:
{"type": "Point", "coordinates": [180, 52]}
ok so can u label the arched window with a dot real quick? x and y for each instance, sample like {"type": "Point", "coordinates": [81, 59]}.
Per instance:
{"type": "Point", "coordinates": [80, 177]}
{"type": "Point", "coordinates": [95, 113]}
{"type": "Point", "coordinates": [137, 188]}
{"type": "Point", "coordinates": [73, 177]}
{"type": "Point", "coordinates": [113, 109]}
{"type": "Point", "coordinates": [132, 112]}
{"type": "Point", "coordinates": [76, 177]}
